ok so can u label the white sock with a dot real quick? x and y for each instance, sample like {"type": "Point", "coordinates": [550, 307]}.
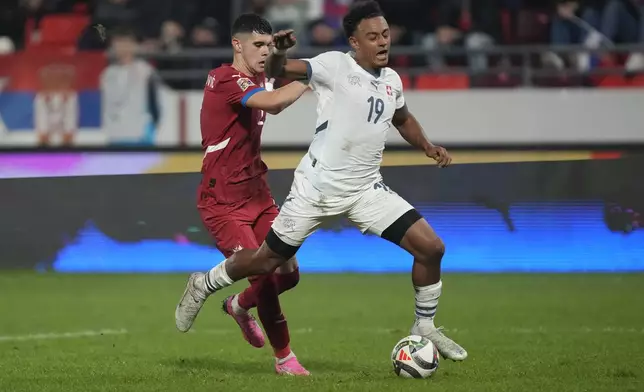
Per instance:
{"type": "Point", "coordinates": [286, 358]}
{"type": "Point", "coordinates": [427, 301]}
{"type": "Point", "coordinates": [234, 303]}
{"type": "Point", "coordinates": [217, 278]}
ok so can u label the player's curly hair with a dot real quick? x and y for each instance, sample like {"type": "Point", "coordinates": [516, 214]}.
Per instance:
{"type": "Point", "coordinates": [251, 23]}
{"type": "Point", "coordinates": [359, 11]}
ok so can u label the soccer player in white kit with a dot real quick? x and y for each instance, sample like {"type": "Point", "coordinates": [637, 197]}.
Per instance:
{"type": "Point", "coordinates": [359, 98]}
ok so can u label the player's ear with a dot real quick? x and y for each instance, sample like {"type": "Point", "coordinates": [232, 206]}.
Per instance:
{"type": "Point", "coordinates": [354, 43]}
{"type": "Point", "coordinates": [237, 46]}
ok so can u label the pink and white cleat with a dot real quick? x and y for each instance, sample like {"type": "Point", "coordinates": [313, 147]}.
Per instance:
{"type": "Point", "coordinates": [290, 366]}
{"type": "Point", "coordinates": [250, 328]}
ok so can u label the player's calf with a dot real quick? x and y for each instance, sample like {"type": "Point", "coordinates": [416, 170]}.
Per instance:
{"type": "Point", "coordinates": [428, 249]}
{"type": "Point", "coordinates": [285, 279]}
{"type": "Point", "coordinates": [243, 264]}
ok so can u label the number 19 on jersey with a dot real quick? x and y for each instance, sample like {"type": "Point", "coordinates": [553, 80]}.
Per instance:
{"type": "Point", "coordinates": [377, 107]}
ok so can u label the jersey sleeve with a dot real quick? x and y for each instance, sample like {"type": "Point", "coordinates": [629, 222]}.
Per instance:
{"type": "Point", "coordinates": [237, 89]}
{"type": "Point", "coordinates": [400, 96]}
{"type": "Point", "coordinates": [322, 69]}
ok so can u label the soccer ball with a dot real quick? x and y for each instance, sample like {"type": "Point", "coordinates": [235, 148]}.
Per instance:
{"type": "Point", "coordinates": [414, 357]}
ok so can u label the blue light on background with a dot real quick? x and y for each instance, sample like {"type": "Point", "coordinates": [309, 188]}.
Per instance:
{"type": "Point", "coordinates": [548, 237]}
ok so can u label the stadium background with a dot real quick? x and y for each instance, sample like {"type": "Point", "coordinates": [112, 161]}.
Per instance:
{"type": "Point", "coordinates": [501, 208]}
{"type": "Point", "coordinates": [546, 187]}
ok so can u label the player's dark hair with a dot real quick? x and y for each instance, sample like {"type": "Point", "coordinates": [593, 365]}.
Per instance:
{"type": "Point", "coordinates": [359, 11]}
{"type": "Point", "coordinates": [251, 23]}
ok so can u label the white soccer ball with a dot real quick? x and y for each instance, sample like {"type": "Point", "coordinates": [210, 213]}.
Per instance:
{"type": "Point", "coordinates": [414, 357]}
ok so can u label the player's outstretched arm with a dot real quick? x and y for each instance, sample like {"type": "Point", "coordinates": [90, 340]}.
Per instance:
{"type": "Point", "coordinates": [277, 66]}
{"type": "Point", "coordinates": [275, 101]}
{"type": "Point", "coordinates": [411, 130]}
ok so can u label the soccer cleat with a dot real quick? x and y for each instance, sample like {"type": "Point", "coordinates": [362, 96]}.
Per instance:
{"type": "Point", "coordinates": [250, 329]}
{"type": "Point", "coordinates": [291, 367]}
{"type": "Point", "coordinates": [190, 304]}
{"type": "Point", "coordinates": [448, 348]}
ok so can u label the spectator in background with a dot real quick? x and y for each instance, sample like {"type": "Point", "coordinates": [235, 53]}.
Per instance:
{"type": "Point", "coordinates": [12, 23]}
{"type": "Point", "coordinates": [194, 24]}
{"type": "Point", "coordinates": [205, 34]}
{"type": "Point", "coordinates": [623, 22]}
{"type": "Point", "coordinates": [476, 24]}
{"type": "Point", "coordinates": [6, 47]}
{"type": "Point", "coordinates": [575, 23]}
{"type": "Point", "coordinates": [334, 11]}
{"type": "Point", "coordinates": [407, 19]}
{"type": "Point", "coordinates": [183, 17]}
{"type": "Point", "coordinates": [288, 14]}
{"type": "Point", "coordinates": [35, 10]}
{"type": "Point", "coordinates": [259, 7]}
{"type": "Point", "coordinates": [607, 21]}
{"type": "Point", "coordinates": [144, 17]}
{"type": "Point", "coordinates": [323, 35]}
{"type": "Point", "coordinates": [129, 89]}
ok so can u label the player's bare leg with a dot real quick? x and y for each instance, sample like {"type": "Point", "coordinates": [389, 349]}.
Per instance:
{"type": "Point", "coordinates": [198, 288]}
{"type": "Point", "coordinates": [427, 248]}
{"type": "Point", "coordinates": [263, 293]}
{"type": "Point", "coordinates": [287, 277]}
{"type": "Point", "coordinates": [241, 265]}
{"type": "Point", "coordinates": [267, 300]}
{"type": "Point", "coordinates": [238, 306]}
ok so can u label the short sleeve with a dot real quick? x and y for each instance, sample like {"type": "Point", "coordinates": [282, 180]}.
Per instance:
{"type": "Point", "coordinates": [322, 69]}
{"type": "Point", "coordinates": [400, 99]}
{"type": "Point", "coordinates": [400, 96]}
{"type": "Point", "coordinates": [237, 89]}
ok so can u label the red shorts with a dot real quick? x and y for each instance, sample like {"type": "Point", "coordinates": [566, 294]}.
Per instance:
{"type": "Point", "coordinates": [240, 225]}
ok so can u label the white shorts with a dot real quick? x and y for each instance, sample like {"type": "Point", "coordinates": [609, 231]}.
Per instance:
{"type": "Point", "coordinates": [305, 209]}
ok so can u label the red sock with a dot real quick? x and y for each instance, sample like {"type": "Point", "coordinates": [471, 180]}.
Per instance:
{"type": "Point", "coordinates": [248, 299]}
{"type": "Point", "coordinates": [287, 281]}
{"type": "Point", "coordinates": [270, 314]}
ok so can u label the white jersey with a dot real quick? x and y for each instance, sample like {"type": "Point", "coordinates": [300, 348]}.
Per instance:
{"type": "Point", "coordinates": [355, 109]}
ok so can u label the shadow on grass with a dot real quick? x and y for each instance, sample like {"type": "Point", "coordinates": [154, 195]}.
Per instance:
{"type": "Point", "coordinates": [252, 366]}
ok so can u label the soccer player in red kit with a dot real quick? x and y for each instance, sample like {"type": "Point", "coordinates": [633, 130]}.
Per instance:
{"type": "Point", "coordinates": [234, 199]}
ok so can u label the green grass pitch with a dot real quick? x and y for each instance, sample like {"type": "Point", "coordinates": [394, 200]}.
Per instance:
{"type": "Point", "coordinates": [523, 333]}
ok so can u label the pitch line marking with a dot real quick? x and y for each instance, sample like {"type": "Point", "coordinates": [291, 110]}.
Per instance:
{"type": "Point", "coordinates": [62, 335]}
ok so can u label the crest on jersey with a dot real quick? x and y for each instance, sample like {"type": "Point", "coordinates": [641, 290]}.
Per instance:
{"type": "Point", "coordinates": [354, 80]}
{"type": "Point", "coordinates": [244, 83]}
{"type": "Point", "coordinates": [237, 248]}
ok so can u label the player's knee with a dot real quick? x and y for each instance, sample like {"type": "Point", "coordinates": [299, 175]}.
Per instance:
{"type": "Point", "coordinates": [288, 280]}
{"type": "Point", "coordinates": [431, 250]}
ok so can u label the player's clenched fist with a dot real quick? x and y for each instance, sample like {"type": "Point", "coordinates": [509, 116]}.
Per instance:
{"type": "Point", "coordinates": [440, 155]}
{"type": "Point", "coordinates": [284, 39]}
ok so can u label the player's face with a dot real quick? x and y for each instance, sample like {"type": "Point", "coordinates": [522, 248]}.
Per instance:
{"type": "Point", "coordinates": [254, 49]}
{"type": "Point", "coordinates": [124, 47]}
{"type": "Point", "coordinates": [371, 42]}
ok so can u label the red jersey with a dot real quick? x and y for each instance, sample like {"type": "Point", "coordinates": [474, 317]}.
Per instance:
{"type": "Point", "coordinates": [232, 166]}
